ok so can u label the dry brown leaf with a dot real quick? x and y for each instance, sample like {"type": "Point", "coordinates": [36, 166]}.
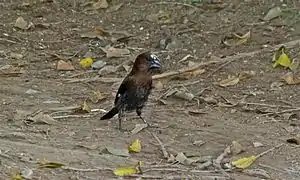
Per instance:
{"type": "Point", "coordinates": [21, 23]}
{"type": "Point", "coordinates": [116, 52]}
{"type": "Point", "coordinates": [158, 85]}
{"type": "Point", "coordinates": [229, 82]}
{"type": "Point", "coordinates": [236, 148]}
{"type": "Point", "coordinates": [138, 128]}
{"type": "Point", "coordinates": [101, 4]}
{"type": "Point", "coordinates": [95, 97]}
{"type": "Point", "coordinates": [290, 78]}
{"type": "Point", "coordinates": [64, 66]}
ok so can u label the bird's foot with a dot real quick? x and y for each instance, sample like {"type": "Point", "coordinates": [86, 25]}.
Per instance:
{"type": "Point", "coordinates": [152, 125]}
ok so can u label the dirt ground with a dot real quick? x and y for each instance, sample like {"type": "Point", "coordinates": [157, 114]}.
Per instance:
{"type": "Point", "coordinates": [198, 31]}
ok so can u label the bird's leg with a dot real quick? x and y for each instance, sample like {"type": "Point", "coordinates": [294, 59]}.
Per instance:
{"type": "Point", "coordinates": [139, 113]}
{"type": "Point", "coordinates": [120, 119]}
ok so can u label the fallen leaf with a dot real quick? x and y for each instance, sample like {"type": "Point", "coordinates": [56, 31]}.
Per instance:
{"type": "Point", "coordinates": [158, 85]}
{"type": "Point", "coordinates": [242, 39]}
{"type": "Point", "coordinates": [138, 128]}
{"type": "Point", "coordinates": [229, 82]}
{"type": "Point", "coordinates": [180, 157]}
{"type": "Point", "coordinates": [86, 62]}
{"type": "Point", "coordinates": [135, 146]}
{"type": "Point", "coordinates": [194, 73]}
{"type": "Point", "coordinates": [17, 176]}
{"type": "Point", "coordinates": [283, 59]}
{"type": "Point", "coordinates": [50, 165]}
{"type": "Point", "coordinates": [64, 66]}
{"type": "Point", "coordinates": [42, 118]}
{"type": "Point", "coordinates": [117, 151]}
{"type": "Point", "coordinates": [95, 97]}
{"type": "Point", "coordinates": [244, 162]}
{"type": "Point", "coordinates": [116, 52]}
{"type": "Point", "coordinates": [101, 4]}
{"type": "Point", "coordinates": [290, 78]}
{"type": "Point", "coordinates": [171, 158]}
{"type": "Point", "coordinates": [125, 171]}
{"type": "Point", "coordinates": [83, 109]}
{"type": "Point", "coordinates": [21, 23]}
{"type": "Point", "coordinates": [236, 148]}
{"type": "Point", "coordinates": [272, 13]}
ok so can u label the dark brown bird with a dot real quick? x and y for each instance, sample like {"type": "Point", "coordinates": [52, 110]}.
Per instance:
{"type": "Point", "coordinates": [136, 87]}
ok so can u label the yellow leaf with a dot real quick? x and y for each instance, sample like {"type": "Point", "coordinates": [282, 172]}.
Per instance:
{"type": "Point", "coordinates": [244, 162]}
{"type": "Point", "coordinates": [135, 146]}
{"type": "Point", "coordinates": [85, 107]}
{"type": "Point", "coordinates": [242, 39]}
{"type": "Point", "coordinates": [283, 60]}
{"type": "Point", "coordinates": [17, 176]}
{"type": "Point", "coordinates": [86, 62]}
{"type": "Point", "coordinates": [125, 171]}
{"type": "Point", "coordinates": [50, 165]}
{"type": "Point", "coordinates": [229, 82]}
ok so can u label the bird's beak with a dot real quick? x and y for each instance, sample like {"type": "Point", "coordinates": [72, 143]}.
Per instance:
{"type": "Point", "coordinates": [155, 64]}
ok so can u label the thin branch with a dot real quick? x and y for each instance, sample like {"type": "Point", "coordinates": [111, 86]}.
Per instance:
{"type": "Point", "coordinates": [163, 148]}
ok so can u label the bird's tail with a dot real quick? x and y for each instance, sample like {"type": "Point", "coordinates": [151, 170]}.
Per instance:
{"type": "Point", "coordinates": [110, 114]}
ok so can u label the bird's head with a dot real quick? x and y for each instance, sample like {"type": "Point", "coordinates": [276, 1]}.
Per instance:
{"type": "Point", "coordinates": [146, 62]}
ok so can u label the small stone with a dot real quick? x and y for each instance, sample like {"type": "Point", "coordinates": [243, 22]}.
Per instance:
{"type": "Point", "coordinates": [198, 143]}
{"type": "Point", "coordinates": [98, 64]}
{"type": "Point", "coordinates": [32, 91]}
{"type": "Point", "coordinates": [16, 55]}
{"type": "Point", "coordinates": [257, 144]}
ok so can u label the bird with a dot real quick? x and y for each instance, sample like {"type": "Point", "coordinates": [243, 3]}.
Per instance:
{"type": "Point", "coordinates": [135, 88]}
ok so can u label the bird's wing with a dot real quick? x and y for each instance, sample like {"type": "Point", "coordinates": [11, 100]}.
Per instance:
{"type": "Point", "coordinates": [123, 88]}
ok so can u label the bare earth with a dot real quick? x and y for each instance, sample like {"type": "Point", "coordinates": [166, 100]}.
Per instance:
{"type": "Point", "coordinates": [78, 142]}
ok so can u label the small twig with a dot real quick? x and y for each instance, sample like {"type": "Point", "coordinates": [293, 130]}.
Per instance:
{"type": "Point", "coordinates": [158, 76]}
{"type": "Point", "coordinates": [219, 159]}
{"type": "Point", "coordinates": [163, 148]}
{"type": "Point", "coordinates": [177, 3]}
{"type": "Point", "coordinates": [73, 116]}
{"type": "Point", "coordinates": [288, 110]}
{"type": "Point", "coordinates": [269, 150]}
{"type": "Point", "coordinates": [220, 67]}
{"type": "Point", "coordinates": [7, 40]}
{"type": "Point", "coordinates": [266, 105]}
{"type": "Point", "coordinates": [177, 177]}
{"type": "Point", "coordinates": [87, 170]}
{"type": "Point", "coordinates": [270, 167]}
